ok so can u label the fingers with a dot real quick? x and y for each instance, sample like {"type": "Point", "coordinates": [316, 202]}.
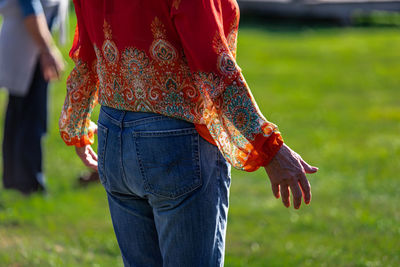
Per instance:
{"type": "Point", "coordinates": [57, 73]}
{"type": "Point", "coordinates": [88, 156]}
{"type": "Point", "coordinates": [288, 169]}
{"type": "Point", "coordinates": [92, 153]}
{"type": "Point", "coordinates": [52, 65]}
{"type": "Point", "coordinates": [306, 188]}
{"type": "Point", "coordinates": [275, 190]}
{"type": "Point", "coordinates": [300, 188]}
{"type": "Point", "coordinates": [285, 195]}
{"type": "Point", "coordinates": [296, 193]}
{"type": "Point", "coordinates": [90, 162]}
{"type": "Point", "coordinates": [47, 74]}
{"type": "Point", "coordinates": [307, 167]}
{"type": "Point", "coordinates": [51, 73]}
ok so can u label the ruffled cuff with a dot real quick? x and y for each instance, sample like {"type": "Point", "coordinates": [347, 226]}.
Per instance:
{"type": "Point", "coordinates": [264, 149]}
{"type": "Point", "coordinates": [82, 141]}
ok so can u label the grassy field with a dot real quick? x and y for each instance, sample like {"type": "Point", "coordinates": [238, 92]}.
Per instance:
{"type": "Point", "coordinates": [334, 92]}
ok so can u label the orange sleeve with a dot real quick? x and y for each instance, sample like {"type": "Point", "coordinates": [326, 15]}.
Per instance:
{"type": "Point", "coordinates": [208, 30]}
{"type": "Point", "coordinates": [81, 89]}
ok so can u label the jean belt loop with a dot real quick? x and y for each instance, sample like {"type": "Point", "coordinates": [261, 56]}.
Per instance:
{"type": "Point", "coordinates": [121, 120]}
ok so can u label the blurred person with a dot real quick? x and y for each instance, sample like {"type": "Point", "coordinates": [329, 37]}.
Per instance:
{"type": "Point", "coordinates": [29, 60]}
{"type": "Point", "coordinates": [175, 114]}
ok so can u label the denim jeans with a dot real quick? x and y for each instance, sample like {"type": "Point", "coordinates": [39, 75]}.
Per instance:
{"type": "Point", "coordinates": [167, 189]}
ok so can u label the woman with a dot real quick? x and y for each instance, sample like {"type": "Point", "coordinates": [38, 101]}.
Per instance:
{"type": "Point", "coordinates": [176, 113]}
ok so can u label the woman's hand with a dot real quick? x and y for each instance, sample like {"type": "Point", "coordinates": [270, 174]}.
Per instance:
{"type": "Point", "coordinates": [288, 169]}
{"type": "Point", "coordinates": [88, 156]}
{"type": "Point", "coordinates": [86, 153]}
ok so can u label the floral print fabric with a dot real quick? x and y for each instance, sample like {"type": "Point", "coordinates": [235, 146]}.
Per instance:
{"type": "Point", "coordinates": [173, 58]}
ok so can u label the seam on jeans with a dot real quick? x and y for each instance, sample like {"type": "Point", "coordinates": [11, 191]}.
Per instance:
{"type": "Point", "coordinates": [121, 153]}
{"type": "Point", "coordinates": [117, 200]}
{"type": "Point", "coordinates": [121, 118]}
{"type": "Point", "coordinates": [199, 159]}
{"type": "Point", "coordinates": [120, 123]}
{"type": "Point", "coordinates": [112, 120]}
{"type": "Point", "coordinates": [140, 164]}
{"type": "Point", "coordinates": [174, 132]}
{"type": "Point", "coordinates": [104, 129]}
{"type": "Point", "coordinates": [219, 260]}
{"type": "Point", "coordinates": [156, 117]}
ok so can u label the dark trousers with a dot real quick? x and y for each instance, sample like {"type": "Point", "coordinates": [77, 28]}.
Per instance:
{"type": "Point", "coordinates": [25, 125]}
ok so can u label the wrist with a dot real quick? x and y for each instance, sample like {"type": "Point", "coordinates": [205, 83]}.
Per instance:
{"type": "Point", "coordinates": [46, 50]}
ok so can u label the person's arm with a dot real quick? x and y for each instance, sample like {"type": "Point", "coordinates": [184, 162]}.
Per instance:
{"type": "Point", "coordinates": [246, 139]}
{"type": "Point", "coordinates": [36, 25]}
{"type": "Point", "coordinates": [51, 59]}
{"type": "Point", "coordinates": [76, 128]}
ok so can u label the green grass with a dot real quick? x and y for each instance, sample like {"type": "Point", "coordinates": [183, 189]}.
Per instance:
{"type": "Point", "coordinates": [335, 95]}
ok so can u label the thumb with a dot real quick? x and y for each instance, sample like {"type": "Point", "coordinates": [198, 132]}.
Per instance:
{"type": "Point", "coordinates": [308, 168]}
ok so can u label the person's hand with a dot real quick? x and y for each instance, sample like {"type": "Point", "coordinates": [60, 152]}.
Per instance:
{"type": "Point", "coordinates": [86, 153]}
{"type": "Point", "coordinates": [93, 127]}
{"type": "Point", "coordinates": [88, 156]}
{"type": "Point", "coordinates": [288, 170]}
{"type": "Point", "coordinates": [52, 64]}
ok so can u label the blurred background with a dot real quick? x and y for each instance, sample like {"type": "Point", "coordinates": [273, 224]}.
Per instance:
{"type": "Point", "coordinates": [328, 73]}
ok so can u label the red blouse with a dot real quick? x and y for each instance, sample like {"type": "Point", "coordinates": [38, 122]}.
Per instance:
{"type": "Point", "coordinates": [172, 57]}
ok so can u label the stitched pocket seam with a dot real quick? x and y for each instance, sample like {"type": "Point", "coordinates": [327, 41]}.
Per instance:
{"type": "Point", "coordinates": [103, 151]}
{"type": "Point", "coordinates": [165, 133]}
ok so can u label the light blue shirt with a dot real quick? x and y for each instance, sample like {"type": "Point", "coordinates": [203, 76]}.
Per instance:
{"type": "Point", "coordinates": [30, 7]}
{"type": "Point", "coordinates": [18, 51]}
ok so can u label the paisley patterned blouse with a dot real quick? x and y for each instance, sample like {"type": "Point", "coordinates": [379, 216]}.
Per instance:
{"type": "Point", "coordinates": [172, 57]}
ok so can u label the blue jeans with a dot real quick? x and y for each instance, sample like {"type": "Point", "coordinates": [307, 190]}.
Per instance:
{"type": "Point", "coordinates": [167, 189]}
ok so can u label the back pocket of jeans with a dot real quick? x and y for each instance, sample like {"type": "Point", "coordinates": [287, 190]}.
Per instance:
{"type": "Point", "coordinates": [169, 161]}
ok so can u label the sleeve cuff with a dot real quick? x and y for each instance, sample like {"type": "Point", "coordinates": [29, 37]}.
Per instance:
{"type": "Point", "coordinates": [263, 152]}
{"type": "Point", "coordinates": [78, 141]}
{"type": "Point", "coordinates": [30, 7]}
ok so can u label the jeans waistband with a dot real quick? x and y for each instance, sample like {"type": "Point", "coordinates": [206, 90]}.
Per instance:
{"type": "Point", "coordinates": [124, 118]}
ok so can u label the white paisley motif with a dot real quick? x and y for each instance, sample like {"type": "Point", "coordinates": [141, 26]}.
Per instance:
{"type": "Point", "coordinates": [110, 51]}
{"type": "Point", "coordinates": [161, 50]}
{"type": "Point", "coordinates": [226, 64]}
